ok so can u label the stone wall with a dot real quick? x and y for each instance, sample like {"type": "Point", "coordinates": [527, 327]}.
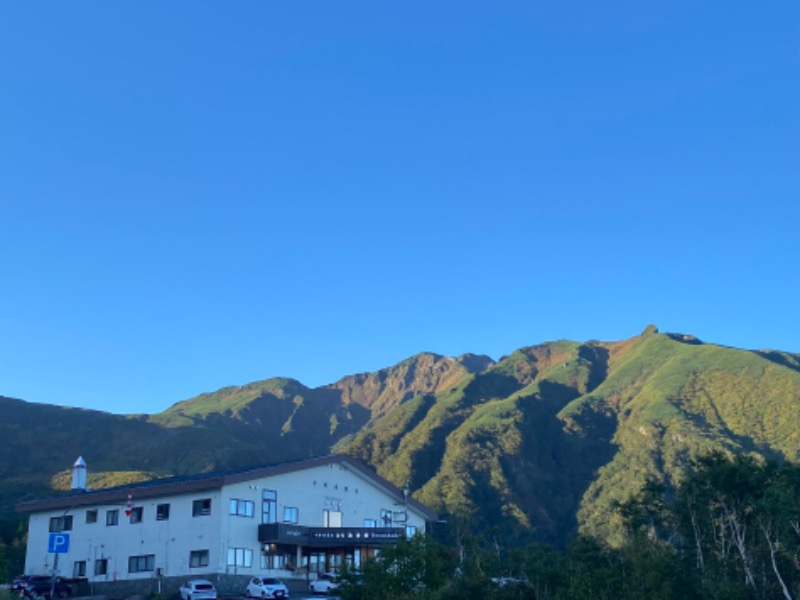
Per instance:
{"type": "Point", "coordinates": [227, 585]}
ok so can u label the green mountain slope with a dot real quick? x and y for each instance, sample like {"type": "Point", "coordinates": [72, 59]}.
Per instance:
{"type": "Point", "coordinates": [262, 422]}
{"type": "Point", "coordinates": [385, 390]}
{"type": "Point", "coordinates": [551, 437]}
{"type": "Point", "coordinates": [491, 448]}
{"type": "Point", "coordinates": [542, 442]}
{"type": "Point", "coordinates": [672, 400]}
{"type": "Point", "coordinates": [267, 421]}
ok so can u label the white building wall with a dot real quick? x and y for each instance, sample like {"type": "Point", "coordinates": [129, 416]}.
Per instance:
{"type": "Point", "coordinates": [169, 540]}
{"type": "Point", "coordinates": [335, 488]}
{"type": "Point", "coordinates": [313, 490]}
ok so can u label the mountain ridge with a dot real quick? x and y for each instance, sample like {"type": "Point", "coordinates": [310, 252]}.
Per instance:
{"type": "Point", "coordinates": [542, 442]}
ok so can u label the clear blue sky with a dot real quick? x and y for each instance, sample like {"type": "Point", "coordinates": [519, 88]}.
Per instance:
{"type": "Point", "coordinates": [201, 194]}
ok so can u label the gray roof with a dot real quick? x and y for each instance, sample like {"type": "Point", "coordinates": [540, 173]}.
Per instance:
{"type": "Point", "coordinates": [183, 484]}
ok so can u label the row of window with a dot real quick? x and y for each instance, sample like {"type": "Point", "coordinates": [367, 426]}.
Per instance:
{"type": "Point", "coordinates": [237, 557]}
{"type": "Point", "coordinates": [100, 567]}
{"type": "Point", "coordinates": [246, 508]}
{"type": "Point", "coordinates": [333, 518]}
{"type": "Point", "coordinates": [237, 507]}
{"type": "Point", "coordinates": [199, 508]}
{"type": "Point", "coordinates": [146, 563]}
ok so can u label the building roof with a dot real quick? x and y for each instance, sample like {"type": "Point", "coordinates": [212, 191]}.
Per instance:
{"type": "Point", "coordinates": [184, 484]}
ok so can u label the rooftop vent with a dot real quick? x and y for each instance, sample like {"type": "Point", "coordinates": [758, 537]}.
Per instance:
{"type": "Point", "coordinates": [79, 474]}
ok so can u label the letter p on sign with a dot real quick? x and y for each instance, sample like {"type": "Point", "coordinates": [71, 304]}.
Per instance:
{"type": "Point", "coordinates": [58, 543]}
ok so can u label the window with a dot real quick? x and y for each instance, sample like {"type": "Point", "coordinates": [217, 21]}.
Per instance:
{"type": "Point", "coordinates": [198, 558]}
{"type": "Point", "coordinates": [331, 518]}
{"type": "Point", "coordinates": [91, 516]}
{"type": "Point", "coordinates": [61, 523]}
{"type": "Point", "coordinates": [411, 531]}
{"type": "Point", "coordinates": [201, 507]}
{"type": "Point", "coordinates": [242, 508]}
{"type": "Point", "coordinates": [269, 506]}
{"type": "Point", "coordinates": [370, 523]}
{"type": "Point", "coordinates": [112, 518]}
{"type": "Point", "coordinates": [79, 568]}
{"type": "Point", "coordinates": [290, 514]}
{"type": "Point", "coordinates": [240, 557]}
{"type": "Point", "coordinates": [274, 561]}
{"type": "Point", "coordinates": [101, 566]}
{"type": "Point", "coordinates": [142, 564]}
{"type": "Point", "coordinates": [162, 512]}
{"type": "Point", "coordinates": [136, 514]}
{"type": "Point", "coordinates": [386, 518]}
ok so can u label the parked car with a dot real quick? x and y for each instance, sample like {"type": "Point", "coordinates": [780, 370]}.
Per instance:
{"type": "Point", "coordinates": [324, 583]}
{"type": "Point", "coordinates": [198, 589]}
{"type": "Point", "coordinates": [22, 581]}
{"type": "Point", "coordinates": [266, 587]}
{"type": "Point", "coordinates": [41, 585]}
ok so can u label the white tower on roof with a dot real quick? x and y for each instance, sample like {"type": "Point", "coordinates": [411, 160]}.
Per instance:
{"type": "Point", "coordinates": [79, 474]}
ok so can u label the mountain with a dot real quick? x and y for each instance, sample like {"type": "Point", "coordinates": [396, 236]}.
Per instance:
{"type": "Point", "coordinates": [550, 438]}
{"type": "Point", "coordinates": [540, 443]}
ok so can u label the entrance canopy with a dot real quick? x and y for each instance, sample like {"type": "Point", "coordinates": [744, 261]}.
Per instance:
{"type": "Point", "coordinates": [328, 537]}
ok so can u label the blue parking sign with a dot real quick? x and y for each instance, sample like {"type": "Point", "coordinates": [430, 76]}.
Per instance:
{"type": "Point", "coordinates": [58, 543]}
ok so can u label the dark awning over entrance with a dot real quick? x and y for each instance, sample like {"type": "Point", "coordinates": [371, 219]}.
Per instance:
{"type": "Point", "coordinates": [328, 537]}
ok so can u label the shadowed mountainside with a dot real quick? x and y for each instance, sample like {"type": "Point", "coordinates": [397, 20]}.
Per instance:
{"type": "Point", "coordinates": [544, 441]}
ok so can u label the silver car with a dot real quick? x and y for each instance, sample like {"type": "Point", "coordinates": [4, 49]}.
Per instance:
{"type": "Point", "coordinates": [266, 587]}
{"type": "Point", "coordinates": [198, 589]}
{"type": "Point", "coordinates": [325, 583]}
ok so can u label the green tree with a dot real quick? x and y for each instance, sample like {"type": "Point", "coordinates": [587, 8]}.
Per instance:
{"type": "Point", "coordinates": [593, 571]}
{"type": "Point", "coordinates": [413, 568]}
{"type": "Point", "coordinates": [653, 569]}
{"type": "Point", "coordinates": [733, 528]}
{"type": "Point", "coordinates": [5, 575]}
{"type": "Point", "coordinates": [13, 534]}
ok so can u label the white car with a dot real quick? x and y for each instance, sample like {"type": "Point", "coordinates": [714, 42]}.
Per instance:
{"type": "Point", "coordinates": [323, 584]}
{"type": "Point", "coordinates": [198, 589]}
{"type": "Point", "coordinates": [266, 587]}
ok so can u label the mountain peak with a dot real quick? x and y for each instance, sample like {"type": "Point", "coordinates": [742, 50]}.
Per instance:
{"type": "Point", "coordinates": [650, 330]}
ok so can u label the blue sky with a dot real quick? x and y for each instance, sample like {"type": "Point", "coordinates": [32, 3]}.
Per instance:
{"type": "Point", "coordinates": [201, 194]}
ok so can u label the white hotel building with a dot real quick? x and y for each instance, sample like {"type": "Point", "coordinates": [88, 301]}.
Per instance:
{"type": "Point", "coordinates": [288, 520]}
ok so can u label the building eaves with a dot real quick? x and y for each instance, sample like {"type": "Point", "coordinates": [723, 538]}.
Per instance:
{"type": "Point", "coordinates": [186, 484]}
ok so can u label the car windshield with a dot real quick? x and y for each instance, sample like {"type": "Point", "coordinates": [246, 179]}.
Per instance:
{"type": "Point", "coordinates": [203, 586]}
{"type": "Point", "coordinates": [271, 581]}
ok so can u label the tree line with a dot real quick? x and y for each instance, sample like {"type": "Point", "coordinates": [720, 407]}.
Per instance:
{"type": "Point", "coordinates": [13, 536]}
{"type": "Point", "coordinates": [729, 531]}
